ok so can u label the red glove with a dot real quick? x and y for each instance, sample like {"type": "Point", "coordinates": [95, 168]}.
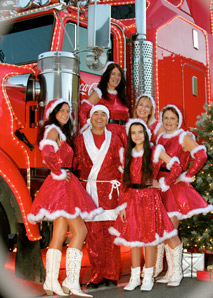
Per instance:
{"type": "Point", "coordinates": [200, 156]}
{"type": "Point", "coordinates": [84, 112]}
{"type": "Point", "coordinates": [175, 171]}
{"type": "Point", "coordinates": [48, 152]}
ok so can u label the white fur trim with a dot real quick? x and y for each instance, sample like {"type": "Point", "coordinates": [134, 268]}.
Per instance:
{"type": "Point", "coordinates": [85, 127]}
{"type": "Point", "coordinates": [146, 95]}
{"type": "Point", "coordinates": [49, 127]}
{"type": "Point", "coordinates": [62, 176]}
{"type": "Point", "coordinates": [87, 101]}
{"type": "Point", "coordinates": [98, 91]}
{"type": "Point", "coordinates": [178, 112]}
{"type": "Point", "coordinates": [45, 142]}
{"type": "Point", "coordinates": [181, 137]}
{"type": "Point", "coordinates": [171, 162]}
{"type": "Point", "coordinates": [157, 153]}
{"type": "Point", "coordinates": [191, 213]}
{"type": "Point", "coordinates": [99, 108]}
{"type": "Point", "coordinates": [157, 127]}
{"type": "Point", "coordinates": [121, 155]}
{"type": "Point", "coordinates": [106, 65]}
{"type": "Point", "coordinates": [137, 153]}
{"type": "Point", "coordinates": [163, 185]}
{"type": "Point", "coordinates": [137, 120]}
{"type": "Point", "coordinates": [121, 241]}
{"type": "Point", "coordinates": [196, 149]}
{"type": "Point", "coordinates": [171, 135]}
{"type": "Point", "coordinates": [183, 177]}
{"type": "Point", "coordinates": [120, 169]}
{"type": "Point", "coordinates": [112, 91]}
{"type": "Point", "coordinates": [46, 215]}
{"type": "Point", "coordinates": [158, 137]}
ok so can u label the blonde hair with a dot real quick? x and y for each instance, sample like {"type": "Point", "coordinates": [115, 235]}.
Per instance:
{"type": "Point", "coordinates": [151, 117]}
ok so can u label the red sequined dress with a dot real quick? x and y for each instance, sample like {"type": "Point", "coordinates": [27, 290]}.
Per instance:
{"type": "Point", "coordinates": [147, 222]}
{"type": "Point", "coordinates": [57, 197]}
{"type": "Point", "coordinates": [100, 175]}
{"type": "Point", "coordinates": [154, 127]}
{"type": "Point", "coordinates": [182, 200]}
{"type": "Point", "coordinates": [119, 113]}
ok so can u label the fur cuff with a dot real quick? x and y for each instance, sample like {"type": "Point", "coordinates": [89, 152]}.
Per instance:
{"type": "Point", "coordinates": [196, 149]}
{"type": "Point", "coordinates": [49, 127]}
{"type": "Point", "coordinates": [157, 153]}
{"type": "Point", "coordinates": [96, 89]}
{"type": "Point", "coordinates": [87, 101]}
{"type": "Point", "coordinates": [62, 176]}
{"type": "Point", "coordinates": [172, 161]}
{"type": "Point", "coordinates": [184, 178]}
{"type": "Point", "coordinates": [48, 142]}
{"type": "Point", "coordinates": [163, 185]}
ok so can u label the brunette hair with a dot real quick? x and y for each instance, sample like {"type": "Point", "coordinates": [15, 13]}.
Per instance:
{"type": "Point", "coordinates": [66, 129]}
{"type": "Point", "coordinates": [170, 108]}
{"type": "Point", "coordinates": [146, 167]}
{"type": "Point", "coordinates": [121, 88]}
{"type": "Point", "coordinates": [151, 117]}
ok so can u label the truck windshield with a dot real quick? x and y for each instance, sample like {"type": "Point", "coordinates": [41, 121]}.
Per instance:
{"type": "Point", "coordinates": [21, 42]}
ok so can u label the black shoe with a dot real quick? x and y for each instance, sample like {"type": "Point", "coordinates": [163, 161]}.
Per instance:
{"type": "Point", "coordinates": [91, 285]}
{"type": "Point", "coordinates": [110, 282]}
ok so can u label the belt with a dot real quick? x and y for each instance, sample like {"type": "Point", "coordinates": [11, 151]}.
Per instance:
{"type": "Point", "coordinates": [120, 122]}
{"type": "Point", "coordinates": [67, 168]}
{"type": "Point", "coordinates": [163, 169]}
{"type": "Point", "coordinates": [138, 186]}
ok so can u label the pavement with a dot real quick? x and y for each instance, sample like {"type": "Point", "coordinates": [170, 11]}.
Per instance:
{"type": "Point", "coordinates": [13, 287]}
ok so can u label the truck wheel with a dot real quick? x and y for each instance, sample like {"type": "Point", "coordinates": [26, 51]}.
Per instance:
{"type": "Point", "coordinates": [4, 232]}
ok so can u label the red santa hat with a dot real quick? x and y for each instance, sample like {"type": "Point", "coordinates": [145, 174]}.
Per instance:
{"type": "Point", "coordinates": [180, 117]}
{"type": "Point", "coordinates": [52, 104]}
{"type": "Point", "coordinates": [137, 120]}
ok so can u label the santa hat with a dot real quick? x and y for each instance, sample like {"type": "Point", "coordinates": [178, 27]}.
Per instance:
{"type": "Point", "coordinates": [180, 120]}
{"type": "Point", "coordinates": [106, 66]}
{"type": "Point", "coordinates": [99, 108]}
{"type": "Point", "coordinates": [149, 96]}
{"type": "Point", "coordinates": [52, 104]}
{"type": "Point", "coordinates": [135, 121]}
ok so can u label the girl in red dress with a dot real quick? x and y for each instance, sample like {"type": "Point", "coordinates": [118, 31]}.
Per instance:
{"type": "Point", "coordinates": [181, 200]}
{"type": "Point", "coordinates": [111, 92]}
{"type": "Point", "coordinates": [61, 199]}
{"type": "Point", "coordinates": [143, 222]}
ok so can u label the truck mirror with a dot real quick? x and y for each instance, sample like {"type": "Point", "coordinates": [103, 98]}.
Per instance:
{"type": "Point", "coordinates": [99, 16]}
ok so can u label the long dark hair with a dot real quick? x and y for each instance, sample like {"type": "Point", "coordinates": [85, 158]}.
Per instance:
{"type": "Point", "coordinates": [66, 129]}
{"type": "Point", "coordinates": [121, 88]}
{"type": "Point", "coordinates": [146, 167]}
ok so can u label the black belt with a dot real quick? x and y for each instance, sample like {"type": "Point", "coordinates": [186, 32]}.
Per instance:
{"type": "Point", "coordinates": [121, 122]}
{"type": "Point", "coordinates": [163, 169]}
{"type": "Point", "coordinates": [138, 186]}
{"type": "Point", "coordinates": [66, 168]}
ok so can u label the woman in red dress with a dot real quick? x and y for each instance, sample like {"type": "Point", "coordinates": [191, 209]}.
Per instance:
{"type": "Point", "coordinates": [181, 200]}
{"type": "Point", "coordinates": [61, 199]}
{"type": "Point", "coordinates": [143, 222]}
{"type": "Point", "coordinates": [110, 92]}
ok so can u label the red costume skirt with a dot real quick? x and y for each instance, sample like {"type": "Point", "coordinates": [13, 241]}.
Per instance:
{"type": "Point", "coordinates": [183, 201]}
{"type": "Point", "coordinates": [147, 222]}
{"type": "Point", "coordinates": [61, 198]}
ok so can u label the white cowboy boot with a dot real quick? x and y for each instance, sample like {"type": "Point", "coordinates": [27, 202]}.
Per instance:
{"type": "Point", "coordinates": [177, 275]}
{"type": "Point", "coordinates": [73, 265]}
{"type": "Point", "coordinates": [148, 280]}
{"type": "Point", "coordinates": [135, 280]}
{"type": "Point", "coordinates": [159, 260]}
{"type": "Point", "coordinates": [165, 279]}
{"type": "Point", "coordinates": [51, 284]}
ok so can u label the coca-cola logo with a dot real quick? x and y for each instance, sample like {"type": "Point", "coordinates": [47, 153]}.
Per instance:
{"type": "Point", "coordinates": [86, 89]}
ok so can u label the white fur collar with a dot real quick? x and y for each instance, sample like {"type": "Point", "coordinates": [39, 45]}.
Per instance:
{"type": "Point", "coordinates": [170, 135]}
{"type": "Point", "coordinates": [112, 91]}
{"type": "Point", "coordinates": [49, 127]}
{"type": "Point", "coordinates": [137, 153]}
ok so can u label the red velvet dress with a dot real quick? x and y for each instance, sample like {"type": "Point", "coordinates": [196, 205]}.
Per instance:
{"type": "Point", "coordinates": [147, 222]}
{"type": "Point", "coordinates": [58, 197]}
{"type": "Point", "coordinates": [181, 200]}
{"type": "Point", "coordinates": [154, 127]}
{"type": "Point", "coordinates": [118, 111]}
{"type": "Point", "coordinates": [99, 169]}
